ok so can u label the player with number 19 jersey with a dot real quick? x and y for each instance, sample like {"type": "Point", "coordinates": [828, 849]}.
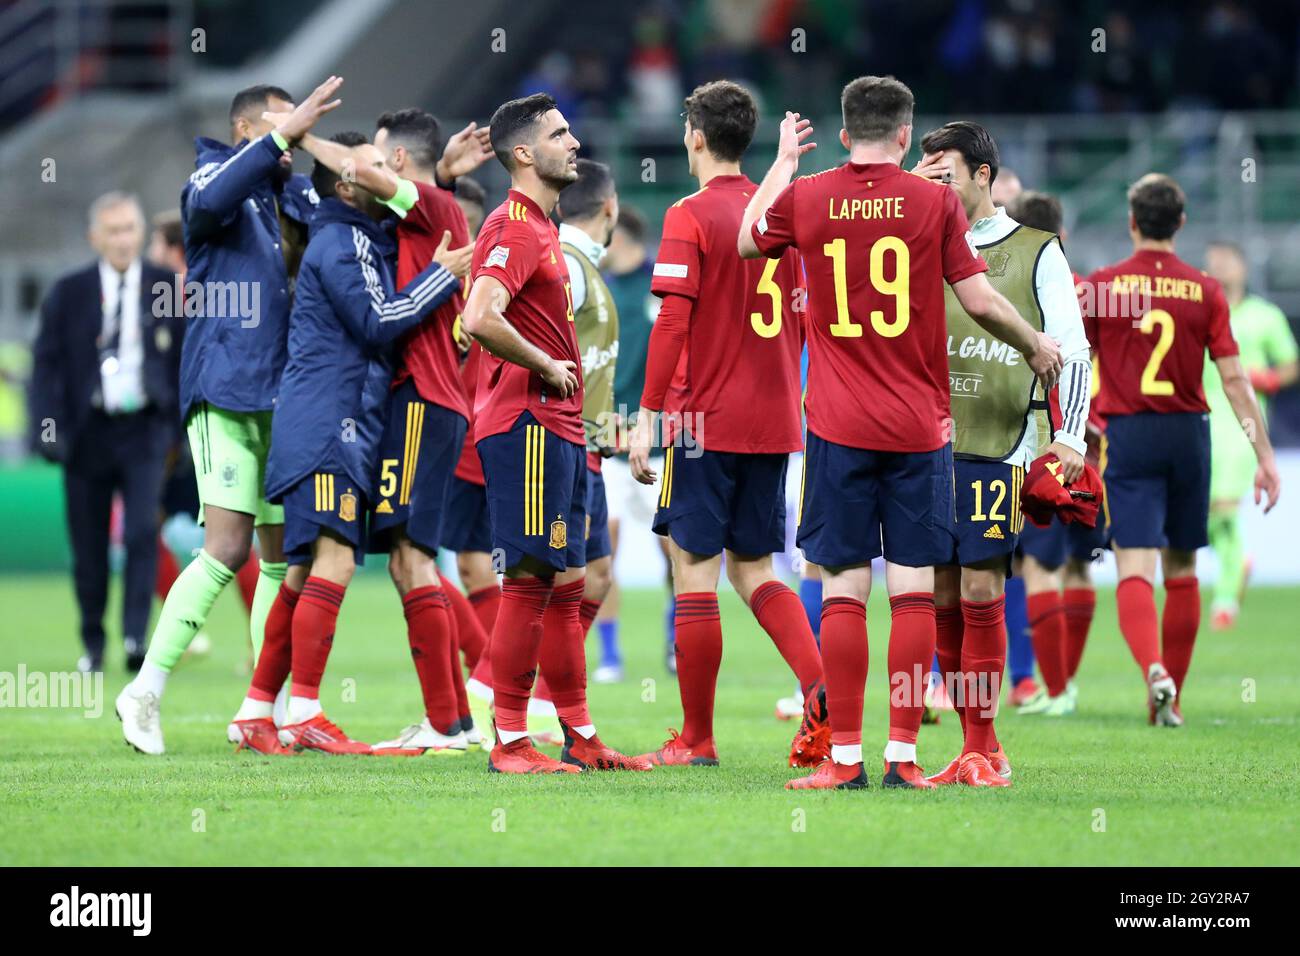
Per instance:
{"type": "Point", "coordinates": [878, 245]}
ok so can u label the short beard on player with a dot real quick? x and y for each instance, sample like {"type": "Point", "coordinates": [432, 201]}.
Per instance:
{"type": "Point", "coordinates": [557, 173]}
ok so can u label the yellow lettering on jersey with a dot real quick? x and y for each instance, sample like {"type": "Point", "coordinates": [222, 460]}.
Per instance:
{"type": "Point", "coordinates": [884, 207]}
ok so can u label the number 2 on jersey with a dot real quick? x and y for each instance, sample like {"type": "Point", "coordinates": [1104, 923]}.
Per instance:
{"type": "Point", "coordinates": [898, 287]}
{"type": "Point", "coordinates": [1157, 318]}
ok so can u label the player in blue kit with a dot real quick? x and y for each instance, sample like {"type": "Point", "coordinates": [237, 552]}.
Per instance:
{"type": "Point", "coordinates": [329, 417]}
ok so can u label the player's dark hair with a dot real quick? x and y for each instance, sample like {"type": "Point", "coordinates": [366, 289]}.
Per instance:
{"type": "Point", "coordinates": [418, 131]}
{"type": "Point", "coordinates": [1037, 211]}
{"type": "Point", "coordinates": [1157, 204]}
{"type": "Point", "coordinates": [469, 190]}
{"type": "Point", "coordinates": [875, 107]}
{"type": "Point", "coordinates": [632, 222]}
{"type": "Point", "coordinates": [583, 197]}
{"type": "Point", "coordinates": [513, 122]}
{"type": "Point", "coordinates": [970, 139]}
{"type": "Point", "coordinates": [725, 112]}
{"type": "Point", "coordinates": [253, 100]}
{"type": "Point", "coordinates": [323, 179]}
{"type": "Point", "coordinates": [168, 224]}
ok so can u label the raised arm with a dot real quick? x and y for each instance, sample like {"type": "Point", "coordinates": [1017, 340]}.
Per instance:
{"type": "Point", "coordinates": [369, 311]}
{"type": "Point", "coordinates": [377, 180]}
{"type": "Point", "coordinates": [484, 317]}
{"type": "Point", "coordinates": [790, 146]}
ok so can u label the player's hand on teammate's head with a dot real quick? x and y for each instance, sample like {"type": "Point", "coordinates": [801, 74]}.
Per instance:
{"type": "Point", "coordinates": [455, 261]}
{"type": "Point", "coordinates": [1268, 483]}
{"type": "Point", "coordinates": [934, 166]}
{"type": "Point", "coordinates": [1071, 461]}
{"type": "Point", "coordinates": [465, 151]}
{"type": "Point", "coordinates": [794, 135]}
{"type": "Point", "coordinates": [304, 116]}
{"type": "Point", "coordinates": [561, 376]}
{"type": "Point", "coordinates": [1046, 360]}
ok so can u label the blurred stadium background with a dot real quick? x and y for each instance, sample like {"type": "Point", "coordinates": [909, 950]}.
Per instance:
{"type": "Point", "coordinates": [1082, 97]}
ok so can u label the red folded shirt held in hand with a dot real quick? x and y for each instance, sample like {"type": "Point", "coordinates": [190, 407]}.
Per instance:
{"type": "Point", "coordinates": [1045, 494]}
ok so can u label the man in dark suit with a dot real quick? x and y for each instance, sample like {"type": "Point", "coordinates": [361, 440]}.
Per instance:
{"type": "Point", "coordinates": [103, 404]}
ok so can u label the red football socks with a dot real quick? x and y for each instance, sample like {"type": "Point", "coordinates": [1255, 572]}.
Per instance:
{"type": "Point", "coordinates": [587, 612]}
{"type": "Point", "coordinates": [983, 657]}
{"type": "Point", "coordinates": [313, 634]}
{"type": "Point", "coordinates": [1080, 606]}
{"type": "Point", "coordinates": [948, 630]}
{"type": "Point", "coordinates": [698, 632]}
{"type": "Point", "coordinates": [1047, 634]}
{"type": "Point", "coordinates": [277, 647]}
{"type": "Point", "coordinates": [1179, 624]}
{"type": "Point", "coordinates": [428, 629]}
{"type": "Point", "coordinates": [470, 634]}
{"type": "Point", "coordinates": [845, 659]}
{"type": "Point", "coordinates": [1137, 621]}
{"type": "Point", "coordinates": [516, 640]}
{"type": "Point", "coordinates": [911, 654]}
{"type": "Point", "coordinates": [780, 613]}
{"type": "Point", "coordinates": [563, 656]}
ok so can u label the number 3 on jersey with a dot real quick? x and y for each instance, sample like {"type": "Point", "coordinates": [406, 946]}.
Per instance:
{"type": "Point", "coordinates": [766, 286]}
{"type": "Point", "coordinates": [898, 287]}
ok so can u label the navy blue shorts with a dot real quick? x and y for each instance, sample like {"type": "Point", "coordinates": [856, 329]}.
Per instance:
{"type": "Point", "coordinates": [1156, 472]}
{"type": "Point", "coordinates": [988, 511]}
{"type": "Point", "coordinates": [417, 458]}
{"type": "Point", "coordinates": [598, 543]}
{"type": "Point", "coordinates": [1058, 542]}
{"type": "Point", "coordinates": [710, 500]}
{"type": "Point", "coordinates": [321, 501]}
{"type": "Point", "coordinates": [537, 495]}
{"type": "Point", "coordinates": [857, 505]}
{"type": "Point", "coordinates": [466, 525]}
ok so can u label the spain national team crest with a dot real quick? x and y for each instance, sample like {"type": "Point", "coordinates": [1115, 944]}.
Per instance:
{"type": "Point", "coordinates": [998, 260]}
{"type": "Point", "coordinates": [559, 533]}
{"type": "Point", "coordinates": [229, 474]}
{"type": "Point", "coordinates": [348, 506]}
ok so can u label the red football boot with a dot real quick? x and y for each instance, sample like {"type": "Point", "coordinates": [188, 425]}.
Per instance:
{"type": "Point", "coordinates": [999, 762]}
{"type": "Point", "coordinates": [520, 756]}
{"type": "Point", "coordinates": [812, 742]}
{"type": "Point", "coordinates": [947, 776]}
{"type": "Point", "coordinates": [260, 734]}
{"type": "Point", "coordinates": [588, 753]}
{"type": "Point", "coordinates": [675, 753]}
{"type": "Point", "coordinates": [321, 734]}
{"type": "Point", "coordinates": [906, 776]}
{"type": "Point", "coordinates": [830, 775]}
{"type": "Point", "coordinates": [974, 770]}
{"type": "Point", "coordinates": [1023, 691]}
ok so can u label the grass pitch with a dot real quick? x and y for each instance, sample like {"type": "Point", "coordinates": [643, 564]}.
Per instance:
{"type": "Point", "coordinates": [1098, 788]}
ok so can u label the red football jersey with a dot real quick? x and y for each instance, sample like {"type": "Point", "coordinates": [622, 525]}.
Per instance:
{"type": "Point", "coordinates": [469, 467]}
{"type": "Point", "coordinates": [741, 371]}
{"type": "Point", "coordinates": [878, 244]}
{"type": "Point", "coordinates": [429, 353]}
{"type": "Point", "coordinates": [520, 248]}
{"type": "Point", "coordinates": [1150, 320]}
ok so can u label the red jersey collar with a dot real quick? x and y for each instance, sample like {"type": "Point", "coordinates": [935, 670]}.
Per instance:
{"type": "Point", "coordinates": [730, 181]}
{"type": "Point", "coordinates": [527, 201]}
{"type": "Point", "coordinates": [874, 170]}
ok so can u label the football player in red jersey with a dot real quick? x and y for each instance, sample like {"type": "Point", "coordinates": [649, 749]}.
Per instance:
{"type": "Point", "coordinates": [879, 243]}
{"type": "Point", "coordinates": [732, 331]}
{"type": "Point", "coordinates": [1151, 318]}
{"type": "Point", "coordinates": [530, 438]}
